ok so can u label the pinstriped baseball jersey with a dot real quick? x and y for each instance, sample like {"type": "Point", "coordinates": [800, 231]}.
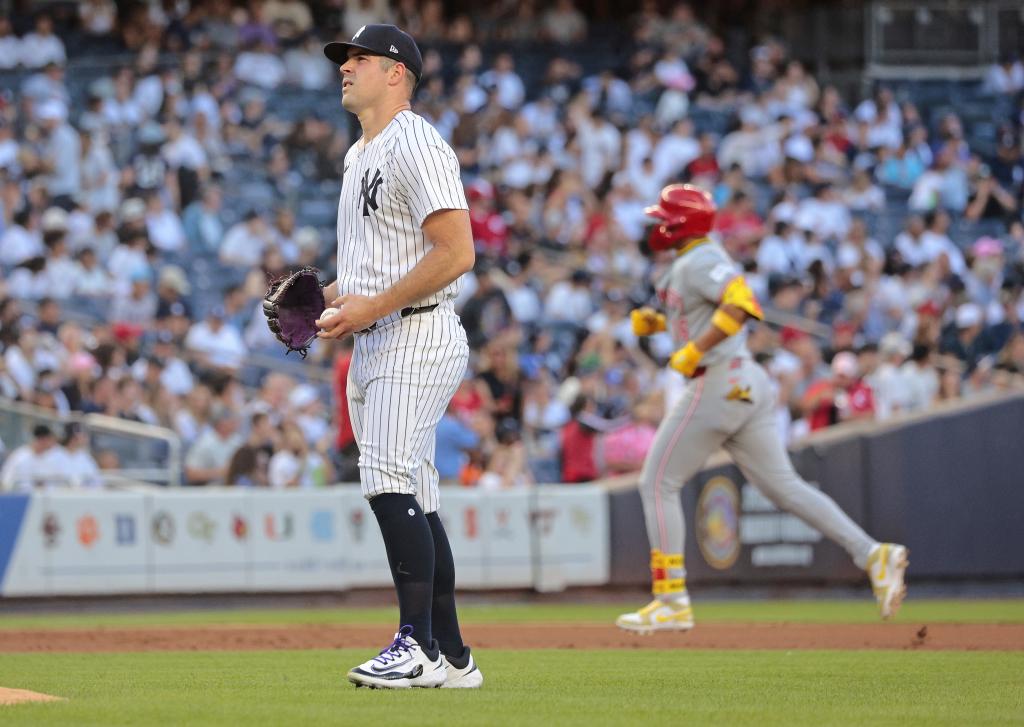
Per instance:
{"type": "Point", "coordinates": [691, 289]}
{"type": "Point", "coordinates": [388, 189]}
{"type": "Point", "coordinates": [405, 370]}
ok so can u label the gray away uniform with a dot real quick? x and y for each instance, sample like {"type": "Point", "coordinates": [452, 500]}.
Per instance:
{"type": "Point", "coordinates": [729, 405]}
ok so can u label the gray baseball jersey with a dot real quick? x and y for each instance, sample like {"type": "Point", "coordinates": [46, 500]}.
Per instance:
{"type": "Point", "coordinates": [730, 405]}
{"type": "Point", "coordinates": [406, 369]}
{"type": "Point", "coordinates": [690, 292]}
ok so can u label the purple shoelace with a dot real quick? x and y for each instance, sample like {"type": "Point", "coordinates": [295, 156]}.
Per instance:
{"type": "Point", "coordinates": [394, 651]}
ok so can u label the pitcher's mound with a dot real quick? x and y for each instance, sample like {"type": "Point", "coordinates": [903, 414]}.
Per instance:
{"type": "Point", "coordinates": [20, 696]}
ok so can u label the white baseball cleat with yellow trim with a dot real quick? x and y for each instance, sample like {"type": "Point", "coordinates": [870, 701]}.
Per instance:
{"type": "Point", "coordinates": [887, 566]}
{"type": "Point", "coordinates": [676, 615]}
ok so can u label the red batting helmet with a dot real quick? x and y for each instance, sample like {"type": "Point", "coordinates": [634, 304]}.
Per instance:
{"type": "Point", "coordinates": [685, 211]}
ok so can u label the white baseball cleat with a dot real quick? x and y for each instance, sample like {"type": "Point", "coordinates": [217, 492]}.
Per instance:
{"type": "Point", "coordinates": [400, 666]}
{"type": "Point", "coordinates": [467, 677]}
{"type": "Point", "coordinates": [676, 615]}
{"type": "Point", "coordinates": [887, 565]}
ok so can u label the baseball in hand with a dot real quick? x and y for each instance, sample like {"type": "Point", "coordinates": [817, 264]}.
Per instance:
{"type": "Point", "coordinates": [328, 312]}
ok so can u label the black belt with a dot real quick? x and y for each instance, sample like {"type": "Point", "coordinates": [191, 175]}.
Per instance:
{"type": "Point", "coordinates": [406, 312]}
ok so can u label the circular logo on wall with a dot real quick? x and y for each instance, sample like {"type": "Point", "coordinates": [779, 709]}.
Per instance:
{"type": "Point", "coordinates": [163, 528]}
{"type": "Point", "coordinates": [718, 523]}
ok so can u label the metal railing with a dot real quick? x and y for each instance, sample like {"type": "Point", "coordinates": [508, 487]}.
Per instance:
{"type": "Point", "coordinates": [940, 38]}
{"type": "Point", "coordinates": [146, 452]}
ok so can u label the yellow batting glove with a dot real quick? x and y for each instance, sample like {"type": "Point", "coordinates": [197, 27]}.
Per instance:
{"type": "Point", "coordinates": [646, 321]}
{"type": "Point", "coordinates": [686, 360]}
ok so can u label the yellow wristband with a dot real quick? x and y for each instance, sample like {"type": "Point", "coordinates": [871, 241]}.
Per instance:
{"type": "Point", "coordinates": [726, 323]}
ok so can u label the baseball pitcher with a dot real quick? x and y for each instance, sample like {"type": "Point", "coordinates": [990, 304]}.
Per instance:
{"type": "Point", "coordinates": [404, 241]}
{"type": "Point", "coordinates": [728, 403]}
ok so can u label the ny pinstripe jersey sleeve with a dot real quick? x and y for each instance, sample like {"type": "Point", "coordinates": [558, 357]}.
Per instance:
{"type": "Point", "coordinates": [427, 172]}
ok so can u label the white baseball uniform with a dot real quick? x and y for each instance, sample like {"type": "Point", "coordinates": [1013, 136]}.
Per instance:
{"type": "Point", "coordinates": [406, 367]}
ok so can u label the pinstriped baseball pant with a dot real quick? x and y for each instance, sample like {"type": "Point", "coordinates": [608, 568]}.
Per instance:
{"type": "Point", "coordinates": [402, 377]}
{"type": "Point", "coordinates": [704, 420]}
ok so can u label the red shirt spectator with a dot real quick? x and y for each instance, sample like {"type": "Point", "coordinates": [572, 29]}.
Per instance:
{"type": "Point", "coordinates": [346, 436]}
{"type": "Point", "coordinates": [844, 397]}
{"type": "Point", "coordinates": [578, 453]}
{"type": "Point", "coordinates": [490, 233]}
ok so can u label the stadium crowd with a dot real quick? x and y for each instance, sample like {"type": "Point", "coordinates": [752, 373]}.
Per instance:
{"type": "Point", "coordinates": [887, 249]}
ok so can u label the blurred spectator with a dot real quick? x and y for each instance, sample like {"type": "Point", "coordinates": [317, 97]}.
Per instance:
{"type": "Point", "coordinates": [215, 343]}
{"type": "Point", "coordinates": [304, 65]}
{"type": "Point", "coordinates": [32, 465]}
{"type": "Point", "coordinates": [842, 397]}
{"type": "Point", "coordinates": [207, 459]}
{"type": "Point", "coordinates": [244, 243]}
{"type": "Point", "coordinates": [72, 461]}
{"type": "Point", "coordinates": [10, 45]}
{"type": "Point", "coordinates": [1006, 76]}
{"type": "Point", "coordinates": [42, 46]}
{"type": "Point", "coordinates": [455, 439]}
{"type": "Point", "coordinates": [295, 465]}
{"type": "Point", "coordinates": [563, 23]}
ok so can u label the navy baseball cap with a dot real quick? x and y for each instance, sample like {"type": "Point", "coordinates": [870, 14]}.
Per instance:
{"type": "Point", "coordinates": [380, 40]}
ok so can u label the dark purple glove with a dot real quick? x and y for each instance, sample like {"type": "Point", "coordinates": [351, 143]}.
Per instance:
{"type": "Point", "coordinates": [292, 307]}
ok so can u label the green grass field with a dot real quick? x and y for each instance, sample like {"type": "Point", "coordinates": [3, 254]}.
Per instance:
{"type": "Point", "coordinates": [585, 687]}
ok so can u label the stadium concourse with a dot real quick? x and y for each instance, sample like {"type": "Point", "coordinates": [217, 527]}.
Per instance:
{"type": "Point", "coordinates": [158, 162]}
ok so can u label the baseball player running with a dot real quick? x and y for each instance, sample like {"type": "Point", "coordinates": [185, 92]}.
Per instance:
{"type": "Point", "coordinates": [403, 243]}
{"type": "Point", "coordinates": [728, 403]}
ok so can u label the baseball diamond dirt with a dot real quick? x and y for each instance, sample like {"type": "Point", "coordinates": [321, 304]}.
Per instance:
{"type": "Point", "coordinates": [909, 636]}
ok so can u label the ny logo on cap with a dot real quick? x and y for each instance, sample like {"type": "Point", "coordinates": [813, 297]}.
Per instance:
{"type": "Point", "coordinates": [393, 49]}
{"type": "Point", "coordinates": [359, 32]}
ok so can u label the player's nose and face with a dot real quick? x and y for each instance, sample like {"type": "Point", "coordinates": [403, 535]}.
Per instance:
{"type": "Point", "coordinates": [358, 78]}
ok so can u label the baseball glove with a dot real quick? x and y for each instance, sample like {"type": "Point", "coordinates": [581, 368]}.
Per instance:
{"type": "Point", "coordinates": [292, 306]}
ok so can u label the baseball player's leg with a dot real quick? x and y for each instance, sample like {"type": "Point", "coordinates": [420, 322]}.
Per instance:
{"type": "Point", "coordinates": [758, 450]}
{"type": "Point", "coordinates": [685, 439]}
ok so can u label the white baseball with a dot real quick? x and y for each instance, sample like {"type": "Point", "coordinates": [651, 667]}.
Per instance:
{"type": "Point", "coordinates": [328, 312]}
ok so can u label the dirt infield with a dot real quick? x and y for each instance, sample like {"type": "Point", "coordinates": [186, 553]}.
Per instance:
{"type": "Point", "coordinates": [20, 696]}
{"type": "Point", "coordinates": [964, 637]}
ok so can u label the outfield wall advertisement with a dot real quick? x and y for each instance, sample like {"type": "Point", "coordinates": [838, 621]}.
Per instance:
{"type": "Point", "coordinates": [243, 540]}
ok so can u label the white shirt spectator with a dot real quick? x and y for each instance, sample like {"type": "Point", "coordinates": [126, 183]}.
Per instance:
{"type": "Point", "coordinates": [600, 146]}
{"type": "Point", "coordinates": [122, 112]}
{"type": "Point", "coordinates": [938, 244]}
{"type": "Point", "coordinates": [524, 302]}
{"type": "Point", "coordinates": [148, 94]}
{"type": "Point", "coordinates": [23, 470]}
{"type": "Point", "coordinates": [781, 255]}
{"type": "Point", "coordinates": [849, 255]}
{"type": "Point", "coordinates": [165, 230]}
{"type": "Point", "coordinates": [922, 386]}
{"type": "Point", "coordinates": [672, 154]}
{"type": "Point", "coordinates": [306, 69]}
{"type": "Point", "coordinates": [64, 152]}
{"type": "Point", "coordinates": [1005, 79]}
{"type": "Point", "coordinates": [175, 375]}
{"type": "Point", "coordinates": [92, 282]}
{"type": "Point", "coordinates": [568, 302]}
{"type": "Point", "coordinates": [241, 246]}
{"type": "Point", "coordinates": [509, 85]}
{"type": "Point", "coordinates": [288, 470]}
{"type": "Point", "coordinates": [184, 152]}
{"type": "Point", "coordinates": [74, 468]}
{"type": "Point", "coordinates": [261, 69]}
{"type": "Point", "coordinates": [223, 346]}
{"type": "Point", "coordinates": [825, 218]}
{"type": "Point", "coordinates": [100, 177]}
{"type": "Point", "coordinates": [125, 261]}
{"type": "Point", "coordinates": [58, 272]}
{"type": "Point", "coordinates": [10, 51]}
{"type": "Point", "coordinates": [541, 118]}
{"type": "Point", "coordinates": [38, 50]}
{"type": "Point", "coordinates": [23, 283]}
{"type": "Point", "coordinates": [18, 244]}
